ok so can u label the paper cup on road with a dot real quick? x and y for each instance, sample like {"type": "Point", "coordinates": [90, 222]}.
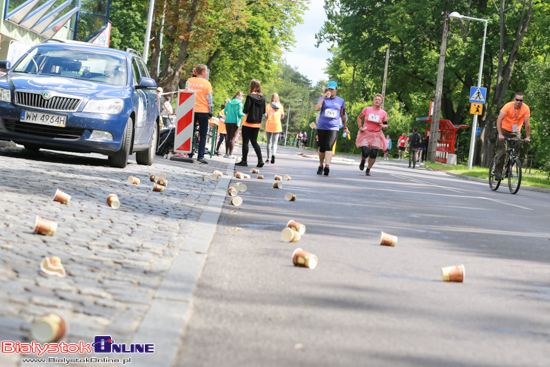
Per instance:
{"type": "Point", "coordinates": [260, 177]}
{"type": "Point", "coordinates": [232, 191]}
{"type": "Point", "coordinates": [62, 197]}
{"type": "Point", "coordinates": [242, 187]}
{"type": "Point", "coordinates": [304, 259]}
{"type": "Point", "coordinates": [453, 273]}
{"type": "Point", "coordinates": [236, 201]}
{"type": "Point", "coordinates": [298, 227]}
{"type": "Point", "coordinates": [290, 235]}
{"type": "Point", "coordinates": [277, 185]}
{"type": "Point", "coordinates": [206, 178]}
{"type": "Point", "coordinates": [133, 180]}
{"type": "Point", "coordinates": [45, 226]}
{"type": "Point", "coordinates": [49, 328]}
{"type": "Point", "coordinates": [254, 170]}
{"type": "Point", "coordinates": [277, 178]}
{"type": "Point", "coordinates": [162, 182]}
{"type": "Point", "coordinates": [162, 175]}
{"type": "Point", "coordinates": [153, 178]}
{"type": "Point", "coordinates": [158, 188]}
{"type": "Point", "coordinates": [387, 239]}
{"type": "Point", "coordinates": [245, 175]}
{"type": "Point", "coordinates": [217, 173]}
{"type": "Point", "coordinates": [287, 177]}
{"type": "Point", "coordinates": [52, 266]}
{"type": "Point", "coordinates": [239, 175]}
{"type": "Point", "coordinates": [113, 201]}
{"type": "Point", "coordinates": [290, 196]}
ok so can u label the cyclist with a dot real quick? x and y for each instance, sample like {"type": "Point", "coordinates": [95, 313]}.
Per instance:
{"type": "Point", "coordinates": [510, 120]}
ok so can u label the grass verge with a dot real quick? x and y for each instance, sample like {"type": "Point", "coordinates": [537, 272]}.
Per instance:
{"type": "Point", "coordinates": [535, 179]}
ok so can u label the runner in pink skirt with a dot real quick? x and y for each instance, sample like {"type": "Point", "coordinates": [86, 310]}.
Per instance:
{"type": "Point", "coordinates": [370, 138]}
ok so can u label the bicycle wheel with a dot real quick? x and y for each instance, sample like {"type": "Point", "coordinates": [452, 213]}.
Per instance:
{"type": "Point", "coordinates": [493, 184]}
{"type": "Point", "coordinates": [514, 175]}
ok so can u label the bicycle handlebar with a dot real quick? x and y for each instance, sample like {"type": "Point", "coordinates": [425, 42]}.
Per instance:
{"type": "Point", "coordinates": [514, 140]}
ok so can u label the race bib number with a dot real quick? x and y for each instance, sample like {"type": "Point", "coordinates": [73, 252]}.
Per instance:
{"type": "Point", "coordinates": [515, 128]}
{"type": "Point", "coordinates": [330, 113]}
{"type": "Point", "coordinates": [374, 117]}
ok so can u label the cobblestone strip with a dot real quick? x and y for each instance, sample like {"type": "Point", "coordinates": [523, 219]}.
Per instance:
{"type": "Point", "coordinates": [115, 259]}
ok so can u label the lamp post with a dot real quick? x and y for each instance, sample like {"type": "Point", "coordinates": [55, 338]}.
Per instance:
{"type": "Point", "coordinates": [456, 15]}
{"type": "Point", "coordinates": [288, 117]}
{"type": "Point", "coordinates": [145, 55]}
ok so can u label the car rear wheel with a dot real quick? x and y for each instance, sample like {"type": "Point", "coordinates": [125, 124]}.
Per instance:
{"type": "Point", "coordinates": [120, 158]}
{"type": "Point", "coordinates": [147, 157]}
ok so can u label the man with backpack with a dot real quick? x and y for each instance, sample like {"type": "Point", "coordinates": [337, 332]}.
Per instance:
{"type": "Point", "coordinates": [414, 142]}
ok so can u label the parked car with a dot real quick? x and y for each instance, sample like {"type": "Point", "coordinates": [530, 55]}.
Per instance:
{"type": "Point", "coordinates": [75, 96]}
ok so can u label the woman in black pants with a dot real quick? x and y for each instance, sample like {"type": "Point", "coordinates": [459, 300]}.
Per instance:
{"type": "Point", "coordinates": [254, 109]}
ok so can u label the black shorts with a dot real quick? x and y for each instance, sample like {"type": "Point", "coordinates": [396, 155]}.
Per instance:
{"type": "Point", "coordinates": [327, 138]}
{"type": "Point", "coordinates": [402, 149]}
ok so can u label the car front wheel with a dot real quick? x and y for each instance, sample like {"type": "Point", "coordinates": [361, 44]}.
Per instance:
{"type": "Point", "coordinates": [120, 158]}
{"type": "Point", "coordinates": [147, 157]}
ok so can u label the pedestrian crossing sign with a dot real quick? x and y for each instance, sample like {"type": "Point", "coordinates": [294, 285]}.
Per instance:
{"type": "Point", "coordinates": [478, 94]}
{"type": "Point", "coordinates": [476, 108]}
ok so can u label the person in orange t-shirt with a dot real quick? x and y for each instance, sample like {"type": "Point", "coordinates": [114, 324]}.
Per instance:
{"type": "Point", "coordinates": [222, 131]}
{"type": "Point", "coordinates": [510, 121]}
{"type": "Point", "coordinates": [273, 127]}
{"type": "Point", "coordinates": [204, 106]}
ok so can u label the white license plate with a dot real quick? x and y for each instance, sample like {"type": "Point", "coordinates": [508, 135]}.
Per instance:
{"type": "Point", "coordinates": [43, 118]}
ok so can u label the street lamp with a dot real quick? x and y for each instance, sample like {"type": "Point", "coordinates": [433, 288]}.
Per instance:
{"type": "Point", "coordinates": [456, 15]}
{"type": "Point", "coordinates": [288, 117]}
{"type": "Point", "coordinates": [145, 55]}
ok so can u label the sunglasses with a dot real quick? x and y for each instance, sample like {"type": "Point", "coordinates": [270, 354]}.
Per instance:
{"type": "Point", "coordinates": [519, 100]}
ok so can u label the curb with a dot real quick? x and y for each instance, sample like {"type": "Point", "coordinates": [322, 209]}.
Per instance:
{"type": "Point", "coordinates": [528, 188]}
{"type": "Point", "coordinates": [168, 314]}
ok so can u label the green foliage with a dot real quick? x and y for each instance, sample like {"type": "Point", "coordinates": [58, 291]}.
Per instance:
{"type": "Point", "coordinates": [129, 18]}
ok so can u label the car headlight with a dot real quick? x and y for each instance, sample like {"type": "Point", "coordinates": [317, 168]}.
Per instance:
{"type": "Point", "coordinates": [110, 106]}
{"type": "Point", "coordinates": [5, 95]}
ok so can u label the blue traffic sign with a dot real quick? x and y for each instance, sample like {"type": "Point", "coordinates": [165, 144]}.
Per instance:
{"type": "Point", "coordinates": [478, 94]}
{"type": "Point", "coordinates": [478, 130]}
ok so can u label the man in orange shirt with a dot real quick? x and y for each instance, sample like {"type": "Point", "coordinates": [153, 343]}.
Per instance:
{"type": "Point", "coordinates": [204, 105]}
{"type": "Point", "coordinates": [510, 120]}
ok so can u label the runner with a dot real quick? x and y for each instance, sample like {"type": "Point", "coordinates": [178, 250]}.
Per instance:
{"type": "Point", "coordinates": [331, 110]}
{"type": "Point", "coordinates": [370, 137]}
{"type": "Point", "coordinates": [387, 151]}
{"type": "Point", "coordinates": [254, 109]}
{"type": "Point", "coordinates": [402, 144]}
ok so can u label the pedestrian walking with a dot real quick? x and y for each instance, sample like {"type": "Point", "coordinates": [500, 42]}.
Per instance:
{"type": "Point", "coordinates": [204, 106]}
{"type": "Point", "coordinates": [254, 109]}
{"type": "Point", "coordinates": [222, 130]}
{"type": "Point", "coordinates": [331, 109]}
{"type": "Point", "coordinates": [414, 142]}
{"type": "Point", "coordinates": [370, 138]}
{"type": "Point", "coordinates": [166, 111]}
{"type": "Point", "coordinates": [402, 145]}
{"type": "Point", "coordinates": [275, 112]}
{"type": "Point", "coordinates": [304, 139]}
{"type": "Point", "coordinates": [387, 151]}
{"type": "Point", "coordinates": [299, 138]}
{"type": "Point", "coordinates": [233, 116]}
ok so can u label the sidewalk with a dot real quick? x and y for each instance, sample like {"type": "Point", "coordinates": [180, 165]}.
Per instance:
{"type": "Point", "coordinates": [130, 272]}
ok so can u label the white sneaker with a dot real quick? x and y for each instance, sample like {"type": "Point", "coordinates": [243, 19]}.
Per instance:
{"type": "Point", "coordinates": [226, 155]}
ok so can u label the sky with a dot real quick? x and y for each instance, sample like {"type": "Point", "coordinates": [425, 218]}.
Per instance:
{"type": "Point", "coordinates": [305, 57]}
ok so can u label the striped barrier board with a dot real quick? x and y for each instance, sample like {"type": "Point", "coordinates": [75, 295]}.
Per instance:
{"type": "Point", "coordinates": [185, 118]}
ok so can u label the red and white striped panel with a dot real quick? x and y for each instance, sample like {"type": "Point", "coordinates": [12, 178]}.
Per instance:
{"type": "Point", "coordinates": [185, 117]}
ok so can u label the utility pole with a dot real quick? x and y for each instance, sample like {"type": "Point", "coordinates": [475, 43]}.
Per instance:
{"type": "Point", "coordinates": [434, 130]}
{"type": "Point", "coordinates": [145, 55]}
{"type": "Point", "coordinates": [385, 75]}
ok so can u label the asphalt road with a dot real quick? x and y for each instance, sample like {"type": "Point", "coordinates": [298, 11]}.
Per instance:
{"type": "Point", "coordinates": [366, 304]}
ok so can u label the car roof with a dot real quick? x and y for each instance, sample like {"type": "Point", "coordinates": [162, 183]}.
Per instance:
{"type": "Point", "coordinates": [53, 42]}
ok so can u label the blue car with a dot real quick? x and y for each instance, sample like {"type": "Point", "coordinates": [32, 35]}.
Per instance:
{"type": "Point", "coordinates": [74, 96]}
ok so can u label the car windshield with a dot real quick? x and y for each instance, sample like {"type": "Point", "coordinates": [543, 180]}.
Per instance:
{"type": "Point", "coordinates": [75, 64]}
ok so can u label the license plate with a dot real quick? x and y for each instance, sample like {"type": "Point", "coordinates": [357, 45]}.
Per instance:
{"type": "Point", "coordinates": [43, 118]}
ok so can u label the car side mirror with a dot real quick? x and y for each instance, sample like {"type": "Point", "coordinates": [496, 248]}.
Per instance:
{"type": "Point", "coordinates": [147, 83]}
{"type": "Point", "coordinates": [5, 65]}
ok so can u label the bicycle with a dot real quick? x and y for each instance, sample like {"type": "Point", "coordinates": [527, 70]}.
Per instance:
{"type": "Point", "coordinates": [511, 169]}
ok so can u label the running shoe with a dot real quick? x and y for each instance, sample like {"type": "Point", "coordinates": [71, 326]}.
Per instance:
{"type": "Point", "coordinates": [242, 164]}
{"type": "Point", "coordinates": [260, 164]}
{"type": "Point", "coordinates": [362, 165]}
{"type": "Point", "coordinates": [327, 170]}
{"type": "Point", "coordinates": [320, 170]}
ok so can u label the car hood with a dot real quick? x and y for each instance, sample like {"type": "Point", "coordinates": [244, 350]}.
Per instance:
{"type": "Point", "coordinates": [80, 88]}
